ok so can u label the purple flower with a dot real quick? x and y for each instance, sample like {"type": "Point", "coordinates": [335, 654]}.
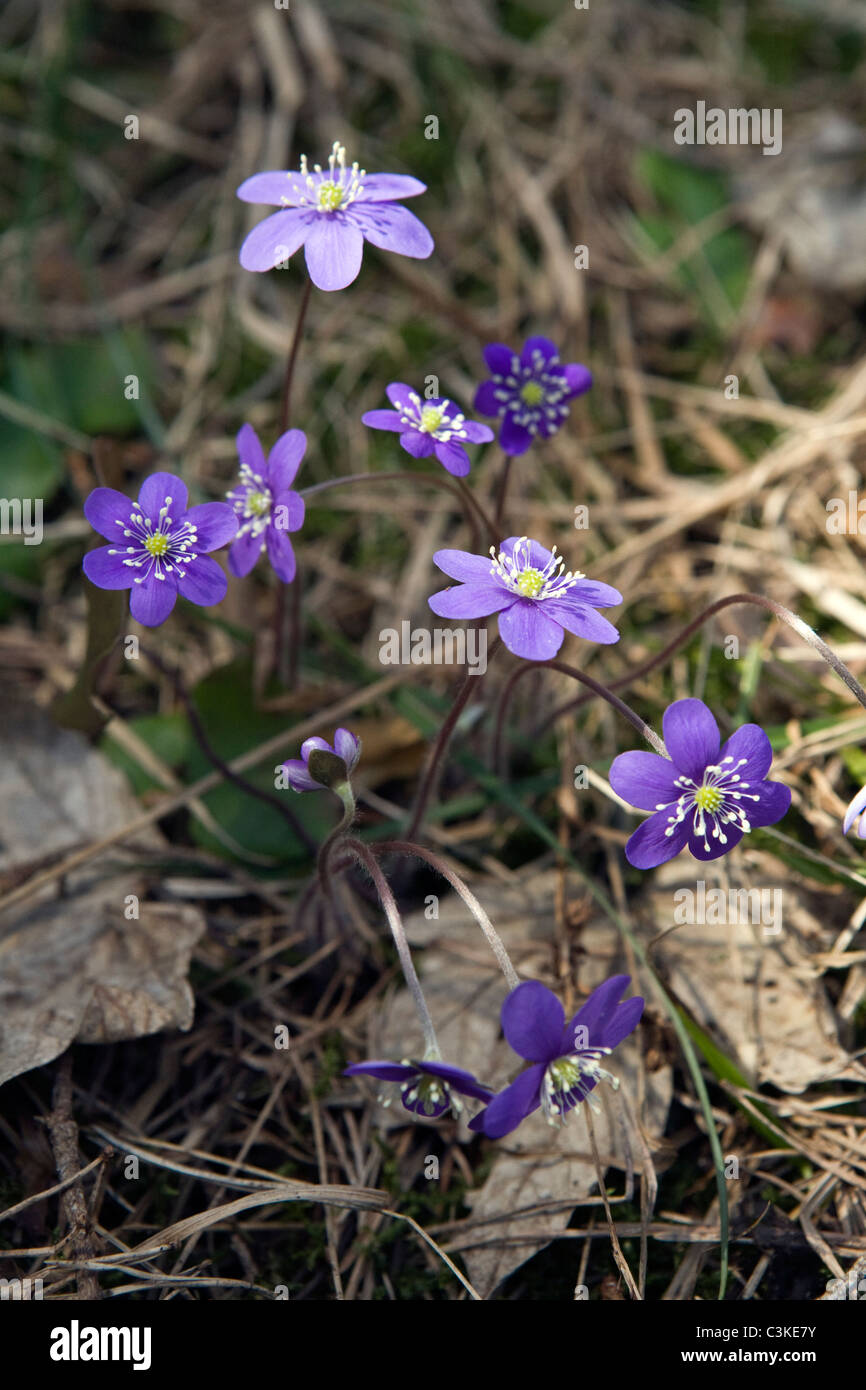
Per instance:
{"type": "Point", "coordinates": [425, 1087]}
{"type": "Point", "coordinates": [160, 547]}
{"type": "Point", "coordinates": [427, 427]}
{"type": "Point", "coordinates": [565, 1057]}
{"type": "Point", "coordinates": [331, 213]}
{"type": "Point", "coordinates": [267, 508]}
{"type": "Point", "coordinates": [704, 797]}
{"type": "Point", "coordinates": [854, 815]}
{"type": "Point", "coordinates": [537, 604]}
{"type": "Point", "coordinates": [347, 748]}
{"type": "Point", "coordinates": [531, 392]}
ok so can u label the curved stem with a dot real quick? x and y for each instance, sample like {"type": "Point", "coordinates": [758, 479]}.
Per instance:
{"type": "Point", "coordinates": [645, 730]}
{"type": "Point", "coordinates": [395, 921]}
{"type": "Point", "coordinates": [428, 782]}
{"type": "Point", "coordinates": [802, 629]}
{"type": "Point", "coordinates": [484, 922]}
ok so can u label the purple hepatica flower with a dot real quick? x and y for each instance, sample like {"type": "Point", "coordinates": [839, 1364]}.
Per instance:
{"type": "Point", "coordinates": [427, 427]}
{"type": "Point", "coordinates": [537, 604]}
{"type": "Point", "coordinates": [346, 747]}
{"type": "Point", "coordinates": [704, 797]}
{"type": "Point", "coordinates": [566, 1057]}
{"type": "Point", "coordinates": [160, 547]}
{"type": "Point", "coordinates": [426, 1088]}
{"type": "Point", "coordinates": [854, 815]}
{"type": "Point", "coordinates": [531, 392]}
{"type": "Point", "coordinates": [266, 507]}
{"type": "Point", "coordinates": [331, 213]}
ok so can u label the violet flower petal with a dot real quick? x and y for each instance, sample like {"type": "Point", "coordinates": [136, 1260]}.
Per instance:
{"type": "Point", "coordinates": [204, 582]}
{"type": "Point", "coordinates": [281, 554]}
{"type": "Point", "coordinates": [510, 1107]}
{"type": "Point", "coordinates": [107, 570]}
{"type": "Point", "coordinates": [285, 459]}
{"type": "Point", "coordinates": [691, 736]}
{"type": "Point", "coordinates": [151, 601]}
{"type": "Point", "coordinates": [650, 845]}
{"type": "Point", "coordinates": [532, 1021]}
{"type": "Point", "coordinates": [277, 238]}
{"type": "Point", "coordinates": [383, 420]}
{"type": "Point", "coordinates": [515, 439]}
{"type": "Point", "coordinates": [250, 451]}
{"type": "Point", "coordinates": [453, 457]}
{"type": "Point", "coordinates": [645, 780]}
{"type": "Point", "coordinates": [472, 601]}
{"type": "Point", "coordinates": [463, 565]}
{"type": "Point", "coordinates": [104, 508]}
{"type": "Point", "coordinates": [334, 249]}
{"type": "Point", "coordinates": [155, 492]}
{"type": "Point", "coordinates": [391, 227]}
{"type": "Point", "coordinates": [528, 632]}
{"type": "Point", "coordinates": [216, 524]}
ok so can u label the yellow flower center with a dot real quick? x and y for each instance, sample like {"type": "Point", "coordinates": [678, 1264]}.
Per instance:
{"type": "Point", "coordinates": [708, 798]}
{"type": "Point", "coordinates": [431, 419]}
{"type": "Point", "coordinates": [532, 393]}
{"type": "Point", "coordinates": [530, 583]}
{"type": "Point", "coordinates": [258, 502]}
{"type": "Point", "coordinates": [156, 545]}
{"type": "Point", "coordinates": [330, 195]}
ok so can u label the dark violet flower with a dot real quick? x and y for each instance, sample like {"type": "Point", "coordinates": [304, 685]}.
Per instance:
{"type": "Point", "coordinates": [566, 1057]}
{"type": "Point", "coordinates": [346, 749]}
{"type": "Point", "coordinates": [331, 213]}
{"type": "Point", "coordinates": [160, 547]}
{"type": "Point", "coordinates": [537, 604]}
{"type": "Point", "coordinates": [705, 797]}
{"type": "Point", "coordinates": [426, 1088]}
{"type": "Point", "coordinates": [531, 392]}
{"type": "Point", "coordinates": [854, 815]}
{"type": "Point", "coordinates": [266, 507]}
{"type": "Point", "coordinates": [427, 427]}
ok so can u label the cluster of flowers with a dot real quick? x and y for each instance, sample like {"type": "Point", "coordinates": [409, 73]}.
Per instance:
{"type": "Point", "coordinates": [703, 796]}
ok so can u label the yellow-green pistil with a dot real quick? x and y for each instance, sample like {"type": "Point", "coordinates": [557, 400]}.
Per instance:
{"type": "Point", "coordinates": [157, 544]}
{"type": "Point", "coordinates": [258, 503]}
{"type": "Point", "coordinates": [530, 583]}
{"type": "Point", "coordinates": [431, 419]}
{"type": "Point", "coordinates": [708, 799]}
{"type": "Point", "coordinates": [532, 393]}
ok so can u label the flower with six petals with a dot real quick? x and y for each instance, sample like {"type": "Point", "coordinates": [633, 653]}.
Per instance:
{"type": "Point", "coordinates": [537, 604]}
{"type": "Point", "coordinates": [426, 1088]}
{"type": "Point", "coordinates": [160, 546]}
{"type": "Point", "coordinates": [266, 507]}
{"type": "Point", "coordinates": [331, 213]}
{"type": "Point", "coordinates": [566, 1057]}
{"type": "Point", "coordinates": [530, 392]}
{"type": "Point", "coordinates": [427, 427]}
{"type": "Point", "coordinates": [704, 797]}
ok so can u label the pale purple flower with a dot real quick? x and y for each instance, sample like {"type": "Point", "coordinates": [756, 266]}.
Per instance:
{"type": "Point", "coordinates": [531, 393]}
{"type": "Point", "coordinates": [426, 1088]}
{"type": "Point", "coordinates": [346, 747]}
{"type": "Point", "coordinates": [433, 426]}
{"type": "Point", "coordinates": [537, 603]}
{"type": "Point", "coordinates": [854, 815]}
{"type": "Point", "coordinates": [266, 507]}
{"type": "Point", "coordinates": [159, 546]}
{"type": "Point", "coordinates": [331, 213]}
{"type": "Point", "coordinates": [566, 1057]}
{"type": "Point", "coordinates": [705, 797]}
